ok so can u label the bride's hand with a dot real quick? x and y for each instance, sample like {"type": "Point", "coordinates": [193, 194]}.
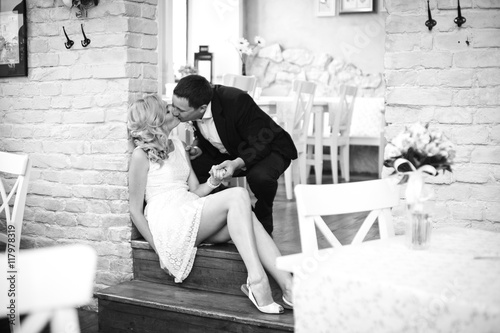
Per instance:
{"type": "Point", "coordinates": [193, 151]}
{"type": "Point", "coordinates": [217, 174]}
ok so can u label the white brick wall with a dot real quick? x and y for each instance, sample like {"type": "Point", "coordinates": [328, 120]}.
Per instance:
{"type": "Point", "coordinates": [435, 77]}
{"type": "Point", "coordinates": [69, 115]}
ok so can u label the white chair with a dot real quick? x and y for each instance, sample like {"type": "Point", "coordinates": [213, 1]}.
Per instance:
{"type": "Point", "coordinates": [368, 124]}
{"type": "Point", "coordinates": [51, 283]}
{"type": "Point", "coordinates": [336, 136]}
{"type": "Point", "coordinates": [16, 169]}
{"type": "Point", "coordinates": [313, 201]}
{"type": "Point", "coordinates": [243, 82]}
{"type": "Point", "coordinates": [296, 124]}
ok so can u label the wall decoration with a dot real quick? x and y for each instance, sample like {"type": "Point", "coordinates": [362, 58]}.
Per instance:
{"type": "Point", "coordinates": [13, 38]}
{"type": "Point", "coordinates": [356, 6]}
{"type": "Point", "coordinates": [325, 7]}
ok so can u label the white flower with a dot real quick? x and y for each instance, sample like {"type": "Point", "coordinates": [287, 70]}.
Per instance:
{"type": "Point", "coordinates": [245, 49]}
{"type": "Point", "coordinates": [420, 146]}
{"type": "Point", "coordinates": [391, 151]}
{"type": "Point", "coordinates": [259, 41]}
{"type": "Point", "coordinates": [243, 46]}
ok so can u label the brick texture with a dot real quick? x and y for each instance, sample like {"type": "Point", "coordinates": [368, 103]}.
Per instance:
{"type": "Point", "coordinates": [449, 77]}
{"type": "Point", "coordinates": [69, 114]}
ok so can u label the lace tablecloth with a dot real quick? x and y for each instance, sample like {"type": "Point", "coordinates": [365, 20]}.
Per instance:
{"type": "Point", "coordinates": [382, 286]}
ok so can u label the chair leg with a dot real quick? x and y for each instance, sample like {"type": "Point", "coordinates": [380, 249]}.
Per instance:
{"type": "Point", "coordinates": [334, 159]}
{"type": "Point", "coordinates": [318, 163]}
{"type": "Point", "coordinates": [344, 160]}
{"type": "Point", "coordinates": [302, 169]}
{"type": "Point", "coordinates": [288, 182]}
{"type": "Point", "coordinates": [310, 155]}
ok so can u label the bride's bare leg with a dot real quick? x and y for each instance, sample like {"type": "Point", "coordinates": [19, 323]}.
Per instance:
{"type": "Point", "coordinates": [234, 204]}
{"type": "Point", "coordinates": [268, 252]}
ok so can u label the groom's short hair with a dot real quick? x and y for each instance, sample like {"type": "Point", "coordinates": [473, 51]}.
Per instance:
{"type": "Point", "coordinates": [196, 89]}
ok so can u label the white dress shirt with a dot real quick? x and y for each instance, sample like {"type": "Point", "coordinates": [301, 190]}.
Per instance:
{"type": "Point", "coordinates": [207, 128]}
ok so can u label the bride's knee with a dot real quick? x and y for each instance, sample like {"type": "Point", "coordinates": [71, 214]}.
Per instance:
{"type": "Point", "coordinates": [240, 196]}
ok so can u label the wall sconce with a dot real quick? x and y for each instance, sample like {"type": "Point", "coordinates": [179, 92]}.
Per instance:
{"type": "Point", "coordinates": [203, 62]}
{"type": "Point", "coordinates": [82, 5]}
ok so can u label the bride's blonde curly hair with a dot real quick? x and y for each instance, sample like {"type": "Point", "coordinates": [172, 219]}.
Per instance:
{"type": "Point", "coordinates": [147, 126]}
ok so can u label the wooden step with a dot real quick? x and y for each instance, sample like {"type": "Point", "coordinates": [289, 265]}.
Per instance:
{"type": "Point", "coordinates": [217, 268]}
{"type": "Point", "coordinates": [141, 306]}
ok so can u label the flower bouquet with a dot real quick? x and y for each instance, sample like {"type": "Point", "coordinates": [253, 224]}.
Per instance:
{"type": "Point", "coordinates": [245, 49]}
{"type": "Point", "coordinates": [416, 152]}
{"type": "Point", "coordinates": [419, 148]}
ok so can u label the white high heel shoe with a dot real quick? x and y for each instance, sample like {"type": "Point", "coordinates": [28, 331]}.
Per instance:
{"type": "Point", "coordinates": [273, 308]}
{"type": "Point", "coordinates": [288, 304]}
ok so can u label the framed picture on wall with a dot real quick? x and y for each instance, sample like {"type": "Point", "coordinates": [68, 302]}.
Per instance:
{"type": "Point", "coordinates": [13, 38]}
{"type": "Point", "coordinates": [356, 6]}
{"type": "Point", "coordinates": [325, 7]}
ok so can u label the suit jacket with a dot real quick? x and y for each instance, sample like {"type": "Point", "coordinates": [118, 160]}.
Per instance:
{"type": "Point", "coordinates": [244, 129]}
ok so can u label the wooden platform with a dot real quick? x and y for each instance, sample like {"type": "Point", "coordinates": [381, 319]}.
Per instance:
{"type": "Point", "coordinates": [210, 299]}
{"type": "Point", "coordinates": [153, 307]}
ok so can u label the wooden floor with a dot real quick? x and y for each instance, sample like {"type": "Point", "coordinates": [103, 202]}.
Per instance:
{"type": "Point", "coordinates": [285, 235]}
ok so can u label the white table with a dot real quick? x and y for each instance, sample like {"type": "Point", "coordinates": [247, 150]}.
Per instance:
{"type": "Point", "coordinates": [382, 286]}
{"type": "Point", "coordinates": [367, 126]}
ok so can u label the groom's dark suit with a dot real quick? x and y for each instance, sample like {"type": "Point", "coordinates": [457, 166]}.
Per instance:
{"type": "Point", "coordinates": [249, 133]}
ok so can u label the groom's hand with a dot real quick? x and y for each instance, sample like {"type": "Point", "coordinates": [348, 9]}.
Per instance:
{"type": "Point", "coordinates": [230, 166]}
{"type": "Point", "coordinates": [193, 151]}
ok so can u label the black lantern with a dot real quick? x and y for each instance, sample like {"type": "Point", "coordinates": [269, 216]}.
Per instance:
{"type": "Point", "coordinates": [203, 62]}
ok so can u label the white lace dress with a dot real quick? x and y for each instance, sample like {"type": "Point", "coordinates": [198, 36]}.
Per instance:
{"type": "Point", "coordinates": [173, 213]}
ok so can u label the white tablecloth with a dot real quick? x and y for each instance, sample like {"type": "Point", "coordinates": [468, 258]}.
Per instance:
{"type": "Point", "coordinates": [382, 286]}
{"type": "Point", "coordinates": [367, 117]}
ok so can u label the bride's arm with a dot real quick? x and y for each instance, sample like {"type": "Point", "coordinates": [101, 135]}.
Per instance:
{"type": "Point", "coordinates": [138, 175]}
{"type": "Point", "coordinates": [204, 189]}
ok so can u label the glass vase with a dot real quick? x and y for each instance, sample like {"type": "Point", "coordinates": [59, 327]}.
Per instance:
{"type": "Point", "coordinates": [418, 230]}
{"type": "Point", "coordinates": [418, 226]}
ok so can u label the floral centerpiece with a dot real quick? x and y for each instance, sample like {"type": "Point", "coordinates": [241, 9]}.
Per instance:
{"type": "Point", "coordinates": [185, 71]}
{"type": "Point", "coordinates": [245, 49]}
{"type": "Point", "coordinates": [414, 153]}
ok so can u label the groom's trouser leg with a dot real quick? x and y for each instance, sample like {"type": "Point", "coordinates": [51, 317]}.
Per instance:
{"type": "Point", "coordinates": [263, 181]}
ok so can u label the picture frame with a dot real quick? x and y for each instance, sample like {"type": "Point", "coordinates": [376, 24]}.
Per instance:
{"type": "Point", "coordinates": [325, 7]}
{"type": "Point", "coordinates": [13, 39]}
{"type": "Point", "coordinates": [356, 6]}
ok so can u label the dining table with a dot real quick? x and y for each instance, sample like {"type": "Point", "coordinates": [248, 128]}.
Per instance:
{"type": "Point", "coordinates": [384, 286]}
{"type": "Point", "coordinates": [367, 125]}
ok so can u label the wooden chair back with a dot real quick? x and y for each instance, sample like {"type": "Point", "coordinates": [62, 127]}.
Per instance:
{"type": "Point", "coordinates": [335, 135]}
{"type": "Point", "coordinates": [314, 201]}
{"type": "Point", "coordinates": [340, 122]}
{"type": "Point", "coordinates": [15, 171]}
{"type": "Point", "coordinates": [52, 282]}
{"type": "Point", "coordinates": [296, 124]}
{"type": "Point", "coordinates": [243, 82]}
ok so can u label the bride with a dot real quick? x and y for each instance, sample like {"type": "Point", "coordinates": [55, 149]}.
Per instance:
{"type": "Point", "coordinates": [179, 214]}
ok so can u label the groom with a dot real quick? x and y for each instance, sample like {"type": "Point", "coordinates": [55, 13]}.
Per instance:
{"type": "Point", "coordinates": [233, 133]}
